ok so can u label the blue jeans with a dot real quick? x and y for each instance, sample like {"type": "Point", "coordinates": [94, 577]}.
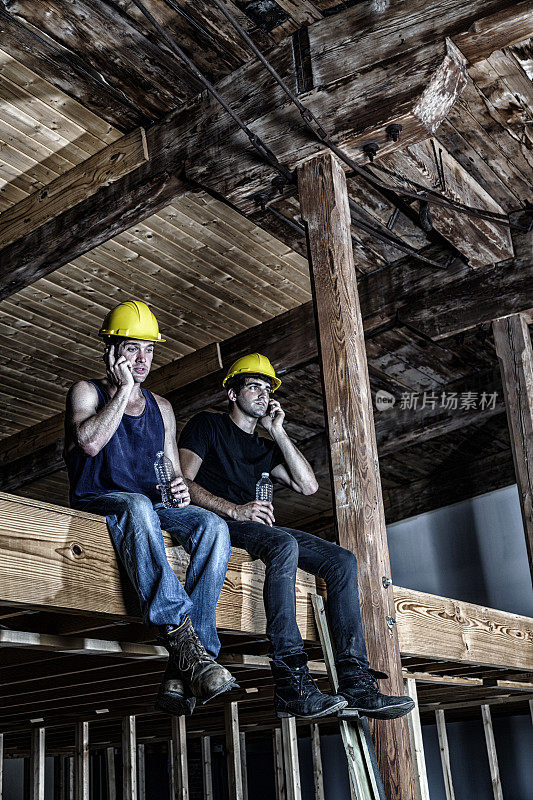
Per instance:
{"type": "Point", "coordinates": [135, 526]}
{"type": "Point", "coordinates": [282, 550]}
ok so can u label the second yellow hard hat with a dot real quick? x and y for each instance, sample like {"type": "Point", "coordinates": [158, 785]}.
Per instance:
{"type": "Point", "coordinates": [256, 364]}
{"type": "Point", "coordinates": [133, 320]}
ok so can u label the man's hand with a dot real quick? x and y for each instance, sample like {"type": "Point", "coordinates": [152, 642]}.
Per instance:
{"type": "Point", "coordinates": [255, 511]}
{"type": "Point", "coordinates": [179, 490]}
{"type": "Point", "coordinates": [119, 370]}
{"type": "Point", "coordinates": [273, 420]}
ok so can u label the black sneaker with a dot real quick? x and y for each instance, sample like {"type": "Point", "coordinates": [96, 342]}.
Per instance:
{"type": "Point", "coordinates": [296, 693]}
{"type": "Point", "coordinates": [359, 686]}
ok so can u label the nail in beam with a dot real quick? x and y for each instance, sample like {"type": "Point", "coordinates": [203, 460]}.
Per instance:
{"type": "Point", "coordinates": [233, 748]}
{"type": "Point", "coordinates": [206, 768]}
{"type": "Point", "coordinates": [515, 354]}
{"type": "Point", "coordinates": [129, 760]}
{"type": "Point", "coordinates": [444, 754]}
{"type": "Point", "coordinates": [81, 762]}
{"type": "Point", "coordinates": [180, 769]}
{"type": "Point", "coordinates": [417, 744]}
{"type": "Point", "coordinates": [277, 750]}
{"type": "Point", "coordinates": [491, 753]}
{"type": "Point", "coordinates": [358, 506]}
{"type": "Point", "coordinates": [37, 763]}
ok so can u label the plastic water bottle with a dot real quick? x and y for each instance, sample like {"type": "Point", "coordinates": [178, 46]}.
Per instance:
{"type": "Point", "coordinates": [165, 475]}
{"type": "Point", "coordinates": [264, 488]}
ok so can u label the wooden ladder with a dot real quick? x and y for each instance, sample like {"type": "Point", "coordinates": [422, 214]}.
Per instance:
{"type": "Point", "coordinates": [365, 777]}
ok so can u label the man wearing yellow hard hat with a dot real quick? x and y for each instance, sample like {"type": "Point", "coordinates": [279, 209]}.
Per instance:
{"type": "Point", "coordinates": [226, 465]}
{"type": "Point", "coordinates": [116, 434]}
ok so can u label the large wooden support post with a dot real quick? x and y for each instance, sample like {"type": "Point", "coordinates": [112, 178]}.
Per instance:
{"type": "Point", "coordinates": [81, 762]}
{"type": "Point", "coordinates": [233, 749]}
{"type": "Point", "coordinates": [180, 769]}
{"type": "Point", "coordinates": [129, 760]}
{"type": "Point", "coordinates": [491, 753]}
{"type": "Point", "coordinates": [358, 502]}
{"type": "Point", "coordinates": [37, 763]}
{"type": "Point", "coordinates": [417, 744]}
{"type": "Point", "coordinates": [515, 354]}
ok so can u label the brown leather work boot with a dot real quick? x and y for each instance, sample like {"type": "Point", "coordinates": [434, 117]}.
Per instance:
{"type": "Point", "coordinates": [189, 660]}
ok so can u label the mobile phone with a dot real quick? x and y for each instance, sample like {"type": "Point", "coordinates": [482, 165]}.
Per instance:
{"type": "Point", "coordinates": [271, 410]}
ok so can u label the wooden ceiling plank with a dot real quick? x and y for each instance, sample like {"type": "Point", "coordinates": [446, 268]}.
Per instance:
{"type": "Point", "coordinates": [82, 181]}
{"type": "Point", "coordinates": [505, 27]}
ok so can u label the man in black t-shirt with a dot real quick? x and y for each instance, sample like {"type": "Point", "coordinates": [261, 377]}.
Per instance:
{"type": "Point", "coordinates": [222, 458]}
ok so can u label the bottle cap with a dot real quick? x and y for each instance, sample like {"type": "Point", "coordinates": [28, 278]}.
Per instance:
{"type": "Point", "coordinates": [264, 474]}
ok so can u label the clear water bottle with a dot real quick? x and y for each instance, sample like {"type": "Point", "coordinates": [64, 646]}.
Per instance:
{"type": "Point", "coordinates": [165, 475]}
{"type": "Point", "coordinates": [264, 488]}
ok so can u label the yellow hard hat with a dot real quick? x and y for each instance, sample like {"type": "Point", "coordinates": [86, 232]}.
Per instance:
{"type": "Point", "coordinates": [133, 320]}
{"type": "Point", "coordinates": [256, 364]}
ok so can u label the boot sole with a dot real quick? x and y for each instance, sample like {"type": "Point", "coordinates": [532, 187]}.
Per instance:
{"type": "Point", "coordinates": [226, 687]}
{"type": "Point", "coordinates": [328, 712]}
{"type": "Point", "coordinates": [176, 708]}
{"type": "Point", "coordinates": [387, 712]}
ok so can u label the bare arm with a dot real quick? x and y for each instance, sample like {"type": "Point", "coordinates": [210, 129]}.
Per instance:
{"type": "Point", "coordinates": [255, 511]}
{"type": "Point", "coordinates": [297, 471]}
{"type": "Point", "coordinates": [86, 428]}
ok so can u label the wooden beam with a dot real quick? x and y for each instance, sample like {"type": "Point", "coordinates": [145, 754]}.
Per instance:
{"type": "Point", "coordinates": [244, 768]}
{"type": "Point", "coordinates": [417, 744]}
{"type": "Point", "coordinates": [37, 763]}
{"type": "Point", "coordinates": [316, 754]}
{"type": "Point", "coordinates": [289, 738]}
{"type": "Point", "coordinates": [515, 354]}
{"type": "Point", "coordinates": [180, 769]}
{"type": "Point", "coordinates": [129, 760]}
{"type": "Point", "coordinates": [358, 504]}
{"type": "Point", "coordinates": [81, 762]}
{"type": "Point", "coordinates": [110, 773]}
{"type": "Point", "coordinates": [444, 754]}
{"type": "Point", "coordinates": [351, 64]}
{"type": "Point", "coordinates": [82, 181]}
{"type": "Point", "coordinates": [233, 751]}
{"type": "Point", "coordinates": [499, 30]}
{"type": "Point", "coordinates": [207, 776]}
{"type": "Point", "coordinates": [279, 772]}
{"type": "Point", "coordinates": [141, 772]}
{"type": "Point", "coordinates": [492, 755]}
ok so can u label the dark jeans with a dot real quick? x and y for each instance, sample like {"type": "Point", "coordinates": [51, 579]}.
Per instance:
{"type": "Point", "coordinates": [282, 550]}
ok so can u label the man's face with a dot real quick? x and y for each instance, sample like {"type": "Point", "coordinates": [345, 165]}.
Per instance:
{"type": "Point", "coordinates": [253, 397]}
{"type": "Point", "coordinates": [140, 354]}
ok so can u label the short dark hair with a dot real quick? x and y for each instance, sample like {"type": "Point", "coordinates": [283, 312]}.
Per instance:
{"type": "Point", "coordinates": [237, 382]}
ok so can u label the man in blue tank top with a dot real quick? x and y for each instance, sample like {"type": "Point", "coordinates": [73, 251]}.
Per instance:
{"type": "Point", "coordinates": [113, 431]}
{"type": "Point", "coordinates": [222, 458]}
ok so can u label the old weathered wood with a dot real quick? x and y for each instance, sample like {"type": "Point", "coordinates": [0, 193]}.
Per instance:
{"type": "Point", "coordinates": [492, 755]}
{"type": "Point", "coordinates": [180, 769]}
{"type": "Point", "coordinates": [81, 762]}
{"type": "Point", "coordinates": [37, 763]}
{"type": "Point", "coordinates": [244, 768]}
{"type": "Point", "coordinates": [233, 751]}
{"type": "Point", "coordinates": [515, 354]}
{"type": "Point", "coordinates": [499, 30]}
{"type": "Point", "coordinates": [417, 744]}
{"type": "Point", "coordinates": [318, 772]}
{"type": "Point", "coordinates": [358, 504]}
{"type": "Point", "coordinates": [129, 760]}
{"type": "Point", "coordinates": [207, 776]}
{"type": "Point", "coordinates": [444, 754]}
{"type": "Point", "coordinates": [82, 181]}
{"type": "Point", "coordinates": [141, 772]}
{"type": "Point", "coordinates": [289, 738]}
{"type": "Point", "coordinates": [279, 769]}
{"type": "Point", "coordinates": [110, 773]}
{"type": "Point", "coordinates": [346, 72]}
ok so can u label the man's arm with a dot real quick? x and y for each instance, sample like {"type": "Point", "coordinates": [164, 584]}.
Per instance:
{"type": "Point", "coordinates": [296, 472]}
{"type": "Point", "coordinates": [255, 511]}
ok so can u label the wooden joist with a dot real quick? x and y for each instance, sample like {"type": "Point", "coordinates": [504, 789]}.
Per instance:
{"type": "Point", "coordinates": [63, 560]}
{"type": "Point", "coordinates": [350, 55]}
{"type": "Point", "coordinates": [82, 181]}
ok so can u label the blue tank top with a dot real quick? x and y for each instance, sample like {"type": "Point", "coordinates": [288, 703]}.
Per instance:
{"type": "Point", "coordinates": [126, 463]}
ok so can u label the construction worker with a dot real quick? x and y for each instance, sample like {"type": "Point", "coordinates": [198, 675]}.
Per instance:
{"type": "Point", "coordinates": [113, 431]}
{"type": "Point", "coordinates": [222, 458]}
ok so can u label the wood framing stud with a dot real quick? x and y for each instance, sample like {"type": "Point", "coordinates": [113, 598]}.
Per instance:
{"type": "Point", "coordinates": [37, 763]}
{"type": "Point", "coordinates": [244, 770]}
{"type": "Point", "coordinates": [318, 773]}
{"type": "Point", "coordinates": [129, 758]}
{"type": "Point", "coordinates": [81, 762]}
{"type": "Point", "coordinates": [358, 502]}
{"type": "Point", "coordinates": [289, 737]}
{"type": "Point", "coordinates": [206, 768]}
{"type": "Point", "coordinates": [141, 773]}
{"type": "Point", "coordinates": [515, 354]}
{"type": "Point", "coordinates": [279, 771]}
{"type": "Point", "coordinates": [491, 753]}
{"type": "Point", "coordinates": [110, 773]}
{"type": "Point", "coordinates": [444, 754]}
{"type": "Point", "coordinates": [417, 744]}
{"type": "Point", "coordinates": [233, 750]}
{"type": "Point", "coordinates": [180, 768]}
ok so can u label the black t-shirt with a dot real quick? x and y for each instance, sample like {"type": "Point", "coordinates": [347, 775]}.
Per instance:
{"type": "Point", "coordinates": [232, 459]}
